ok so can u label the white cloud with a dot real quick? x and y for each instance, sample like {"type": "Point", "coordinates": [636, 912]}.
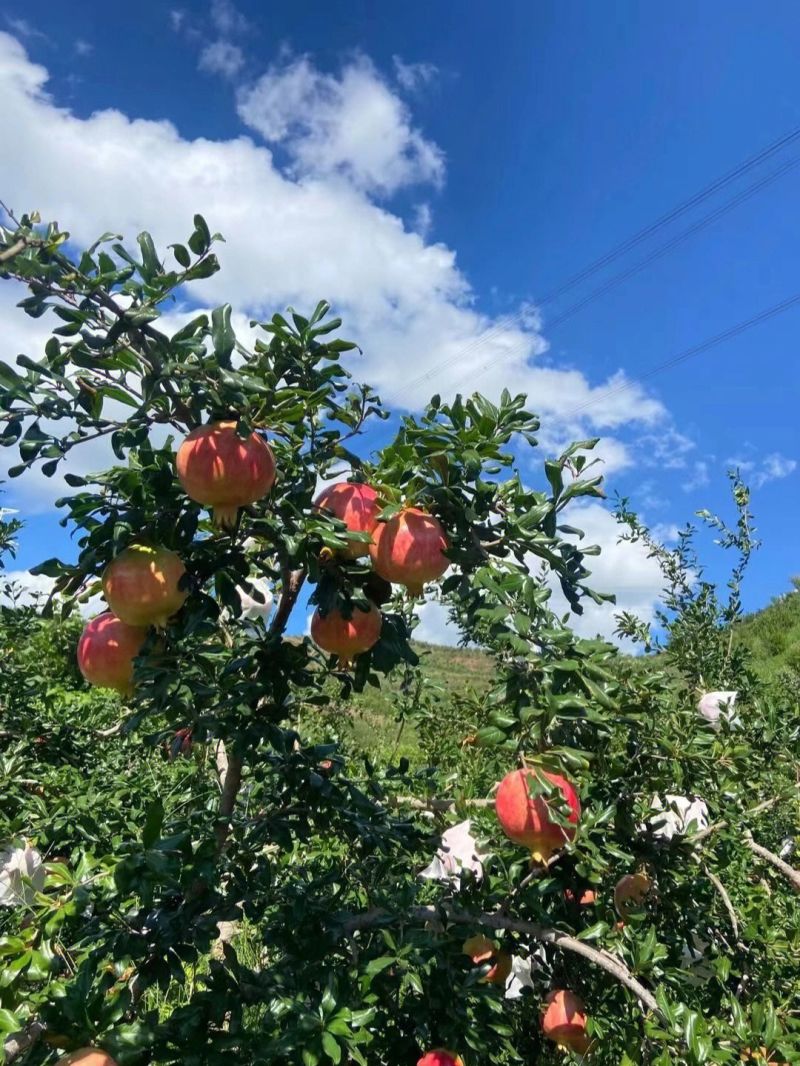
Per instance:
{"type": "Point", "coordinates": [773, 468]}
{"type": "Point", "coordinates": [177, 17]}
{"type": "Point", "coordinates": [622, 568]}
{"type": "Point", "coordinates": [33, 589]}
{"type": "Point", "coordinates": [422, 220]}
{"type": "Point", "coordinates": [83, 48]}
{"type": "Point", "coordinates": [227, 18]}
{"type": "Point", "coordinates": [435, 626]}
{"type": "Point", "coordinates": [22, 28]}
{"type": "Point", "coordinates": [411, 76]}
{"type": "Point", "coordinates": [699, 476]}
{"type": "Point", "coordinates": [293, 238]}
{"type": "Point", "coordinates": [353, 125]}
{"type": "Point", "coordinates": [221, 57]}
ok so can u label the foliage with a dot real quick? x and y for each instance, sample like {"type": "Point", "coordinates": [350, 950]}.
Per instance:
{"type": "Point", "coordinates": [309, 845]}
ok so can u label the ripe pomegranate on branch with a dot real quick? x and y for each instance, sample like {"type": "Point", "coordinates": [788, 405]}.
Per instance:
{"type": "Point", "coordinates": [293, 893]}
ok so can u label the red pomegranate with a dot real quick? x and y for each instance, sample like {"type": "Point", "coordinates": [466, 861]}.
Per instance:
{"type": "Point", "coordinates": [586, 898]}
{"type": "Point", "coordinates": [141, 585]}
{"type": "Point", "coordinates": [346, 637]}
{"type": "Point", "coordinates": [357, 506]}
{"type": "Point", "coordinates": [409, 549]}
{"type": "Point", "coordinates": [106, 652]}
{"type": "Point", "coordinates": [526, 819]}
{"type": "Point", "coordinates": [87, 1056]}
{"type": "Point", "coordinates": [181, 743]}
{"type": "Point", "coordinates": [440, 1057]}
{"type": "Point", "coordinates": [564, 1021]}
{"type": "Point", "coordinates": [482, 950]}
{"type": "Point", "coordinates": [223, 471]}
{"type": "Point", "coordinates": [630, 892]}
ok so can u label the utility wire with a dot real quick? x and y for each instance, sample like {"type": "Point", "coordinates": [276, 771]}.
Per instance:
{"type": "Point", "coordinates": [688, 353]}
{"type": "Point", "coordinates": [623, 247]}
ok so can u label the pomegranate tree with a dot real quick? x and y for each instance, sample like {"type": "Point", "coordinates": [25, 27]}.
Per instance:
{"type": "Point", "coordinates": [409, 548]}
{"type": "Point", "coordinates": [299, 890]}
{"type": "Point", "coordinates": [224, 471]}
{"type": "Point", "coordinates": [525, 804]}
{"type": "Point", "coordinates": [106, 652]}
{"type": "Point", "coordinates": [142, 585]}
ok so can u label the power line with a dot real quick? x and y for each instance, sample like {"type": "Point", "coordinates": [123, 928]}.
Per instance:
{"type": "Point", "coordinates": [622, 248]}
{"type": "Point", "coordinates": [689, 353]}
{"type": "Point", "coordinates": [657, 253]}
{"type": "Point", "coordinates": [696, 349]}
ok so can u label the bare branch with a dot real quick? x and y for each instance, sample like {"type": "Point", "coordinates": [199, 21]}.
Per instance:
{"type": "Point", "coordinates": [13, 249]}
{"type": "Point", "coordinates": [292, 583]}
{"type": "Point", "coordinates": [788, 871]}
{"type": "Point", "coordinates": [543, 934]}
{"type": "Point", "coordinates": [20, 1042]}
{"type": "Point", "coordinates": [436, 804]}
{"type": "Point", "coordinates": [726, 899]}
{"type": "Point", "coordinates": [229, 768]}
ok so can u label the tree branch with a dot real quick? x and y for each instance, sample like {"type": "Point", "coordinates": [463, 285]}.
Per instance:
{"type": "Point", "coordinates": [435, 804]}
{"type": "Point", "coordinates": [20, 1042]}
{"type": "Point", "coordinates": [292, 582]}
{"type": "Point", "coordinates": [13, 249]}
{"type": "Point", "coordinates": [543, 934]}
{"type": "Point", "coordinates": [788, 871]}
{"type": "Point", "coordinates": [726, 899]}
{"type": "Point", "coordinates": [229, 768]}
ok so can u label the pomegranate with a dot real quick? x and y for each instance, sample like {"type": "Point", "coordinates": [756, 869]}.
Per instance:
{"type": "Point", "coordinates": [440, 1057]}
{"type": "Point", "coordinates": [141, 585]}
{"type": "Point", "coordinates": [357, 506]}
{"type": "Point", "coordinates": [526, 820]}
{"type": "Point", "coordinates": [87, 1056]}
{"type": "Point", "coordinates": [224, 471]}
{"type": "Point", "coordinates": [347, 637]}
{"type": "Point", "coordinates": [564, 1021]}
{"type": "Point", "coordinates": [630, 892]}
{"type": "Point", "coordinates": [585, 899]}
{"type": "Point", "coordinates": [106, 652]}
{"type": "Point", "coordinates": [409, 549]}
{"type": "Point", "coordinates": [482, 950]}
{"type": "Point", "coordinates": [181, 743]}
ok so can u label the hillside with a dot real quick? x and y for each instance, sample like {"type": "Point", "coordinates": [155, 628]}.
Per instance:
{"type": "Point", "coordinates": [772, 635]}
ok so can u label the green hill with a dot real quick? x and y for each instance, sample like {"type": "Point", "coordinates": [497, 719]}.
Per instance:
{"type": "Point", "coordinates": [772, 635]}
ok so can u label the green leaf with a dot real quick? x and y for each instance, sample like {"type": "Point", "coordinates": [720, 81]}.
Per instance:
{"type": "Point", "coordinates": [181, 255]}
{"type": "Point", "coordinates": [331, 1047]}
{"type": "Point", "coordinates": [222, 335]}
{"type": "Point", "coordinates": [154, 819]}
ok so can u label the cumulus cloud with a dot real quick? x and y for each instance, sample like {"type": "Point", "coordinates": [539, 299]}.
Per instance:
{"type": "Point", "coordinates": [622, 568]}
{"type": "Point", "coordinates": [435, 625]}
{"type": "Point", "coordinates": [24, 589]}
{"type": "Point", "coordinates": [352, 125]}
{"type": "Point", "coordinates": [297, 233]}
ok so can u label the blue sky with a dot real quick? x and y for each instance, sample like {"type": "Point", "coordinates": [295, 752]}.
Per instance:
{"type": "Point", "coordinates": [436, 168]}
